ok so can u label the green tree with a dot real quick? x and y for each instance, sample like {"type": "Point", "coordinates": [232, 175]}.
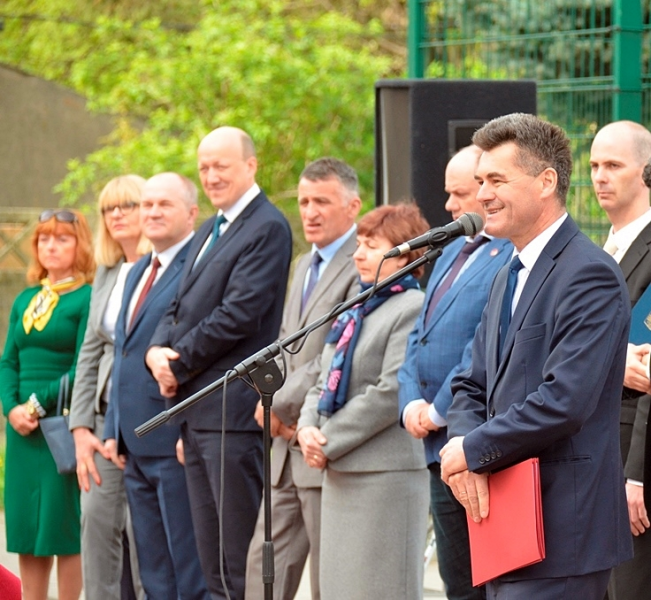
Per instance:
{"type": "Point", "coordinates": [299, 80]}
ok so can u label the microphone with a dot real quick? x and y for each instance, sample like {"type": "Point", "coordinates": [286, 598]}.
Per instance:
{"type": "Point", "coordinates": [466, 224]}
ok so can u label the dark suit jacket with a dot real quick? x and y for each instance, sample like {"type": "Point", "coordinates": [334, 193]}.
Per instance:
{"type": "Point", "coordinates": [227, 308]}
{"type": "Point", "coordinates": [435, 351]}
{"type": "Point", "coordinates": [556, 395]}
{"type": "Point", "coordinates": [134, 392]}
{"type": "Point", "coordinates": [636, 266]}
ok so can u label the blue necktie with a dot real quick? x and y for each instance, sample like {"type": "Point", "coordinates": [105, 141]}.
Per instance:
{"type": "Point", "coordinates": [507, 301]}
{"type": "Point", "coordinates": [311, 282]}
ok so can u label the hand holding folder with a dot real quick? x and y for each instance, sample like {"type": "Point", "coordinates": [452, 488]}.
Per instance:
{"type": "Point", "coordinates": [511, 537]}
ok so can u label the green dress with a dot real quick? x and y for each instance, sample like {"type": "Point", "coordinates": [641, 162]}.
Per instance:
{"type": "Point", "coordinates": [42, 512]}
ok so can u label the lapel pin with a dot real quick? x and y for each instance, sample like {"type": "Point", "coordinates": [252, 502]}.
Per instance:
{"type": "Point", "coordinates": [494, 252]}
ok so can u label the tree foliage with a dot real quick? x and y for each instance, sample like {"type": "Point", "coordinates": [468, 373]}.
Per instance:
{"type": "Point", "coordinates": [298, 77]}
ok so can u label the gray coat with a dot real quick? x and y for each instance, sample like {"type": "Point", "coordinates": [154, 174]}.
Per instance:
{"type": "Point", "coordinates": [96, 355]}
{"type": "Point", "coordinates": [365, 435]}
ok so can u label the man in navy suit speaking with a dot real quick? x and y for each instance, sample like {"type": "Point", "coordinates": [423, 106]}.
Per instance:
{"type": "Point", "coordinates": [229, 305]}
{"type": "Point", "coordinates": [153, 478]}
{"type": "Point", "coordinates": [547, 369]}
{"type": "Point", "coordinates": [439, 348]}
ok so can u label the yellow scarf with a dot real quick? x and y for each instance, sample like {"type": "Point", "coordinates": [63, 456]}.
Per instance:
{"type": "Point", "coordinates": [40, 308]}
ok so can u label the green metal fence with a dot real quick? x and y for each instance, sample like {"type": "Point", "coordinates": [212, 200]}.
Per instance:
{"type": "Point", "coordinates": [591, 61]}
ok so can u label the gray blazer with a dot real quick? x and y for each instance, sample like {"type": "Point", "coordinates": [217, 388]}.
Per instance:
{"type": "Point", "coordinates": [365, 434]}
{"type": "Point", "coordinates": [95, 359]}
{"type": "Point", "coordinates": [339, 282]}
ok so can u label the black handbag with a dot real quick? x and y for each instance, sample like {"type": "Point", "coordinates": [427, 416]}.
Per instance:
{"type": "Point", "coordinates": [57, 434]}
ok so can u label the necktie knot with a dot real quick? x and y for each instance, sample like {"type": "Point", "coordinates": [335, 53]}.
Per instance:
{"type": "Point", "coordinates": [611, 246]}
{"type": "Point", "coordinates": [516, 265]}
{"type": "Point", "coordinates": [470, 247]}
{"type": "Point", "coordinates": [155, 265]}
{"type": "Point", "coordinates": [312, 279]}
{"type": "Point", "coordinates": [507, 300]}
{"type": "Point", "coordinates": [219, 221]}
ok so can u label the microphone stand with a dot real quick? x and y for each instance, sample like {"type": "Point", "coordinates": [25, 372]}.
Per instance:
{"type": "Point", "coordinates": [263, 371]}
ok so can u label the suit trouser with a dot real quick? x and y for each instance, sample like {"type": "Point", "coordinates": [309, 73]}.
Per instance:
{"type": "Point", "coordinates": [242, 495]}
{"type": "Point", "coordinates": [104, 517]}
{"type": "Point", "coordinates": [296, 525]}
{"type": "Point", "coordinates": [162, 525]}
{"type": "Point", "coordinates": [581, 587]}
{"type": "Point", "coordinates": [452, 545]}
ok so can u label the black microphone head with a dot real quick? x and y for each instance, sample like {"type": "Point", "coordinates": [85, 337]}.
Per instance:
{"type": "Point", "coordinates": [471, 222]}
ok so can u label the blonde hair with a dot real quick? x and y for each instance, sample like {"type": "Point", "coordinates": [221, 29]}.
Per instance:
{"type": "Point", "coordinates": [126, 188]}
{"type": "Point", "coordinates": [84, 262]}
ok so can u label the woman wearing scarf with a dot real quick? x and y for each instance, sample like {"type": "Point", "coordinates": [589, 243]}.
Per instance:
{"type": "Point", "coordinates": [375, 489]}
{"type": "Point", "coordinates": [46, 328]}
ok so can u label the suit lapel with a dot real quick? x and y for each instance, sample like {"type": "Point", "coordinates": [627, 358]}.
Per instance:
{"type": "Point", "coordinates": [338, 263]}
{"type": "Point", "coordinates": [166, 279]}
{"type": "Point", "coordinates": [636, 252]}
{"type": "Point", "coordinates": [194, 267]}
{"type": "Point", "coordinates": [541, 270]}
{"type": "Point", "coordinates": [474, 269]}
{"type": "Point", "coordinates": [443, 265]}
{"type": "Point", "coordinates": [129, 288]}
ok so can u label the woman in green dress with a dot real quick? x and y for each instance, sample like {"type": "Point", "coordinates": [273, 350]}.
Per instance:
{"type": "Point", "coordinates": [46, 328]}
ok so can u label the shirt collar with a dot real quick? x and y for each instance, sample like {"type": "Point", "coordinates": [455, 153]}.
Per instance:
{"type": "Point", "coordinates": [167, 256]}
{"type": "Point", "coordinates": [328, 252]}
{"type": "Point", "coordinates": [532, 251]}
{"type": "Point", "coordinates": [236, 210]}
{"type": "Point", "coordinates": [627, 234]}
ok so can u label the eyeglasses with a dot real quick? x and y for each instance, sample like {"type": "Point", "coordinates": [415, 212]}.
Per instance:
{"type": "Point", "coordinates": [61, 215]}
{"type": "Point", "coordinates": [125, 208]}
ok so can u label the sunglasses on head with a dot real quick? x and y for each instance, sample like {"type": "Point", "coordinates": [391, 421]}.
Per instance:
{"type": "Point", "coordinates": [60, 214]}
{"type": "Point", "coordinates": [125, 208]}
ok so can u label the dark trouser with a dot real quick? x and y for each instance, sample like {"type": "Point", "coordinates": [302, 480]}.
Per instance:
{"type": "Point", "coordinates": [452, 547]}
{"type": "Point", "coordinates": [242, 496]}
{"type": "Point", "coordinates": [581, 587]}
{"type": "Point", "coordinates": [162, 526]}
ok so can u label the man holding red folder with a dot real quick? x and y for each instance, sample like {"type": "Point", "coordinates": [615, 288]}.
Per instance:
{"type": "Point", "coordinates": [547, 369]}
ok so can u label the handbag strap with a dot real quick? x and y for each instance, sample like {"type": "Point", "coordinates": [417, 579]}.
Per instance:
{"type": "Point", "coordinates": [63, 399]}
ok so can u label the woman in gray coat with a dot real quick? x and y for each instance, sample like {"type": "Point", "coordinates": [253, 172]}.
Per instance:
{"type": "Point", "coordinates": [103, 498]}
{"type": "Point", "coordinates": [375, 491]}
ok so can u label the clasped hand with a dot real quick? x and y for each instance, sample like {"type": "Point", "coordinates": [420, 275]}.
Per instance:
{"type": "Point", "coordinates": [470, 489]}
{"type": "Point", "coordinates": [158, 360]}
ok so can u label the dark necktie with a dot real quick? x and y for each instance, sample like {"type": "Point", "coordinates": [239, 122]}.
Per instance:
{"type": "Point", "coordinates": [219, 221]}
{"type": "Point", "coordinates": [155, 265]}
{"type": "Point", "coordinates": [312, 280]}
{"type": "Point", "coordinates": [458, 263]}
{"type": "Point", "coordinates": [507, 301]}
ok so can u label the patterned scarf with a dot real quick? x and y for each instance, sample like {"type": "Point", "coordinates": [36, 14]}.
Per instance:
{"type": "Point", "coordinates": [38, 312]}
{"type": "Point", "coordinates": [345, 333]}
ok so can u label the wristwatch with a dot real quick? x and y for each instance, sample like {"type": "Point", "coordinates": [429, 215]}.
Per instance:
{"type": "Point", "coordinates": [34, 407]}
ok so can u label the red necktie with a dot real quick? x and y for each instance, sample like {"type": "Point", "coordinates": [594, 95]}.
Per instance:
{"type": "Point", "coordinates": [155, 265]}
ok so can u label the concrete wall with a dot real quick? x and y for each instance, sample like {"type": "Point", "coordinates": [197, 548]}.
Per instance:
{"type": "Point", "coordinates": [42, 126]}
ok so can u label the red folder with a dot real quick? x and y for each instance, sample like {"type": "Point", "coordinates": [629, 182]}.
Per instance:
{"type": "Point", "coordinates": [511, 537]}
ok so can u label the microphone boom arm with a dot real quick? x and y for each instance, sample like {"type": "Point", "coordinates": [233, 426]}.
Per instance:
{"type": "Point", "coordinates": [262, 357]}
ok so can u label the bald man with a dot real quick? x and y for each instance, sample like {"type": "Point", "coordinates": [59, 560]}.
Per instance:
{"type": "Point", "coordinates": [456, 295]}
{"type": "Point", "coordinates": [229, 305]}
{"type": "Point", "coordinates": [618, 155]}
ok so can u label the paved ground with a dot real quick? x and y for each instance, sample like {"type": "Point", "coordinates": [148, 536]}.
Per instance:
{"type": "Point", "coordinates": [433, 585]}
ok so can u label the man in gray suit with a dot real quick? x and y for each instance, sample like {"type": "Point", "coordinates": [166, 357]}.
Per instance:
{"type": "Point", "coordinates": [329, 202]}
{"type": "Point", "coordinates": [617, 158]}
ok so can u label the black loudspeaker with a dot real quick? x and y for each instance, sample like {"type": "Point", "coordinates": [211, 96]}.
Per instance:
{"type": "Point", "coordinates": [421, 123]}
